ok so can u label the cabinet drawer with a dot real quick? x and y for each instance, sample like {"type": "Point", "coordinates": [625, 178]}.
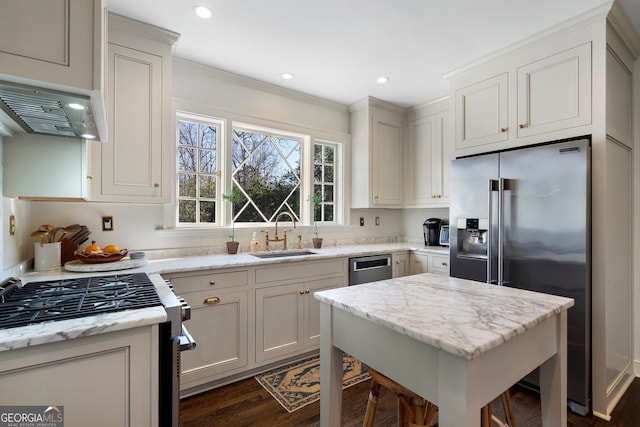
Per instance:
{"type": "Point", "coordinates": [209, 281]}
{"type": "Point", "coordinates": [439, 264]}
{"type": "Point", "coordinates": [295, 271]}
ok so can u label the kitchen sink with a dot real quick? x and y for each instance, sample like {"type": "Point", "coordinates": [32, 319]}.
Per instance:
{"type": "Point", "coordinates": [284, 254]}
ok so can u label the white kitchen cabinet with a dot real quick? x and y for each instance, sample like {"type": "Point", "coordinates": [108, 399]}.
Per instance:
{"type": "Point", "coordinates": [287, 316]}
{"type": "Point", "coordinates": [101, 380]}
{"type": "Point", "coordinates": [219, 324]}
{"type": "Point", "coordinates": [481, 113]}
{"type": "Point", "coordinates": [428, 161]}
{"type": "Point", "coordinates": [422, 262]}
{"type": "Point", "coordinates": [136, 164]}
{"type": "Point", "coordinates": [400, 264]}
{"type": "Point", "coordinates": [59, 43]}
{"type": "Point", "coordinates": [554, 93]}
{"type": "Point", "coordinates": [536, 97]}
{"type": "Point", "coordinates": [377, 130]}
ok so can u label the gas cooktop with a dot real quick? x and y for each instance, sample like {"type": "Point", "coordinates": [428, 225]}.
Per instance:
{"type": "Point", "coordinates": [48, 301]}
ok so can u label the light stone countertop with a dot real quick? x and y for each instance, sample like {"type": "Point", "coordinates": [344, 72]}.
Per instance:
{"type": "Point", "coordinates": [461, 317]}
{"type": "Point", "coordinates": [74, 328]}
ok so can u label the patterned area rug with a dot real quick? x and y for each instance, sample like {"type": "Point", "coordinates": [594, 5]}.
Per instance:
{"type": "Point", "coordinates": [298, 384]}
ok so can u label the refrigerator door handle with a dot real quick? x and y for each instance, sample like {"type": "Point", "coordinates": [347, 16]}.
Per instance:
{"type": "Point", "coordinates": [501, 187]}
{"type": "Point", "coordinates": [493, 186]}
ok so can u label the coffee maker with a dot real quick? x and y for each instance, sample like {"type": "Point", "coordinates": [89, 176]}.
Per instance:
{"type": "Point", "coordinates": [431, 229]}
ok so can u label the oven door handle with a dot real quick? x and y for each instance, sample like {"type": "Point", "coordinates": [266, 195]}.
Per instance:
{"type": "Point", "coordinates": [186, 340]}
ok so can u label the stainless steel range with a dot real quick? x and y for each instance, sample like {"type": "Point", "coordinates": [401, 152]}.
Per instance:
{"type": "Point", "coordinates": [77, 297]}
{"type": "Point", "coordinates": [50, 301]}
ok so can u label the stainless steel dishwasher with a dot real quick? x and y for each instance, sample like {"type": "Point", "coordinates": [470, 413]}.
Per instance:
{"type": "Point", "coordinates": [369, 269]}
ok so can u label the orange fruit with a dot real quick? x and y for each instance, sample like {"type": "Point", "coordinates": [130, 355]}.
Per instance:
{"type": "Point", "coordinates": [92, 248]}
{"type": "Point", "coordinates": [110, 249]}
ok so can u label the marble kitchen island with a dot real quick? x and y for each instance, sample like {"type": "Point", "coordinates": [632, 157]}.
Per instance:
{"type": "Point", "coordinates": [457, 343]}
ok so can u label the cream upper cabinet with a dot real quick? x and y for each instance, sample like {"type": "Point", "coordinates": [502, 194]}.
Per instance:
{"type": "Point", "coordinates": [135, 164]}
{"type": "Point", "coordinates": [555, 92]}
{"type": "Point", "coordinates": [55, 41]}
{"type": "Point", "coordinates": [428, 156]}
{"type": "Point", "coordinates": [482, 113]}
{"type": "Point", "coordinates": [377, 130]}
{"type": "Point", "coordinates": [533, 98]}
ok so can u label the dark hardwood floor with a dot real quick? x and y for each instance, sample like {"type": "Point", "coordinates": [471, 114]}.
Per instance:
{"type": "Point", "coordinates": [246, 403]}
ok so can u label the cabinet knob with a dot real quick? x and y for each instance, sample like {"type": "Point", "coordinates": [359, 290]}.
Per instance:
{"type": "Point", "coordinates": [397, 262]}
{"type": "Point", "coordinates": [155, 184]}
{"type": "Point", "coordinates": [89, 176]}
{"type": "Point", "coordinates": [301, 291]}
{"type": "Point", "coordinates": [375, 197]}
{"type": "Point", "coordinates": [306, 291]}
{"type": "Point", "coordinates": [211, 300]}
{"type": "Point", "coordinates": [212, 282]}
{"type": "Point", "coordinates": [503, 130]}
{"type": "Point", "coordinates": [444, 264]}
{"type": "Point", "coordinates": [522, 125]}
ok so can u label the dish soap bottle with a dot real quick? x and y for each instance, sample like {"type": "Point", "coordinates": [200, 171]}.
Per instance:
{"type": "Point", "coordinates": [255, 244]}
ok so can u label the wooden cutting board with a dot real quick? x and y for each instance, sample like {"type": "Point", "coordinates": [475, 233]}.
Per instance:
{"type": "Point", "coordinates": [123, 264]}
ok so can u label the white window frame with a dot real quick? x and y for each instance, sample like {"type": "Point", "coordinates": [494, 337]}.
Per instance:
{"type": "Point", "coordinates": [223, 214]}
{"type": "Point", "coordinates": [220, 151]}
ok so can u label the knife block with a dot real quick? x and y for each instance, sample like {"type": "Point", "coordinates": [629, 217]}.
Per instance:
{"type": "Point", "coordinates": [67, 249]}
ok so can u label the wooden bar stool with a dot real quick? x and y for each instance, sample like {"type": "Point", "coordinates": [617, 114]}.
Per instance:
{"type": "Point", "coordinates": [413, 410]}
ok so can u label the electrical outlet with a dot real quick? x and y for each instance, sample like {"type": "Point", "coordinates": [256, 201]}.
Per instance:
{"type": "Point", "coordinates": [377, 220]}
{"type": "Point", "coordinates": [107, 223]}
{"type": "Point", "coordinates": [361, 221]}
{"type": "Point", "coordinates": [12, 225]}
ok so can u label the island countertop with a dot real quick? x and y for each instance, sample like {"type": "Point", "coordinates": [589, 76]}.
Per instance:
{"type": "Point", "coordinates": [459, 316]}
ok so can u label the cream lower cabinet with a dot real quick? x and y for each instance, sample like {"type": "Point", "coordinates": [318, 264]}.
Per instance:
{"type": "Point", "coordinates": [219, 324]}
{"type": "Point", "coordinates": [103, 380]}
{"type": "Point", "coordinates": [400, 264]}
{"type": "Point", "coordinates": [429, 263]}
{"type": "Point", "coordinates": [288, 318]}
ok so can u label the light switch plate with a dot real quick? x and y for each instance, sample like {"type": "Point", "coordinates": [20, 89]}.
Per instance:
{"type": "Point", "coordinates": [107, 223]}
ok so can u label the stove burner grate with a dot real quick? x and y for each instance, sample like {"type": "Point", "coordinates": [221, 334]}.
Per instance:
{"type": "Point", "coordinates": [48, 301]}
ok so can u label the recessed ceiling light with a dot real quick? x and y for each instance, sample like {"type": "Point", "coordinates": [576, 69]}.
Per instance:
{"type": "Point", "coordinates": [76, 106]}
{"type": "Point", "coordinates": [382, 79]}
{"type": "Point", "coordinates": [287, 76]}
{"type": "Point", "coordinates": [202, 11]}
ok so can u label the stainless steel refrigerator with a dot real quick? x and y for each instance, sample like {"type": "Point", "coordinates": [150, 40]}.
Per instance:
{"type": "Point", "coordinates": [521, 218]}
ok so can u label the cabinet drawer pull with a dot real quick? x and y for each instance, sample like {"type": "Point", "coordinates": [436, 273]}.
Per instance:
{"type": "Point", "coordinates": [212, 282]}
{"type": "Point", "coordinates": [211, 300]}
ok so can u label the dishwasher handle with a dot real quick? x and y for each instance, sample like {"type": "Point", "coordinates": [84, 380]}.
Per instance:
{"type": "Point", "coordinates": [369, 264]}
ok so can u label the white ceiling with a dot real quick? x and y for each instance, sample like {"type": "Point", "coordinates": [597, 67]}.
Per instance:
{"type": "Point", "coordinates": [337, 48]}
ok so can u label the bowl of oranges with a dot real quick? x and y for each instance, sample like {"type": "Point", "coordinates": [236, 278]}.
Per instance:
{"type": "Point", "coordinates": [94, 254]}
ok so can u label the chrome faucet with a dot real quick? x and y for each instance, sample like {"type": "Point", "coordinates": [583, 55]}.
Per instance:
{"type": "Point", "coordinates": [276, 238]}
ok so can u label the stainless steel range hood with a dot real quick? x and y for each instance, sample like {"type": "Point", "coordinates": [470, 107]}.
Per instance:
{"type": "Point", "coordinates": [49, 112]}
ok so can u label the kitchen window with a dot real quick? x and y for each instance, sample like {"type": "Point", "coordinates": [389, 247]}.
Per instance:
{"type": "Point", "coordinates": [274, 170]}
{"type": "Point", "coordinates": [198, 189]}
